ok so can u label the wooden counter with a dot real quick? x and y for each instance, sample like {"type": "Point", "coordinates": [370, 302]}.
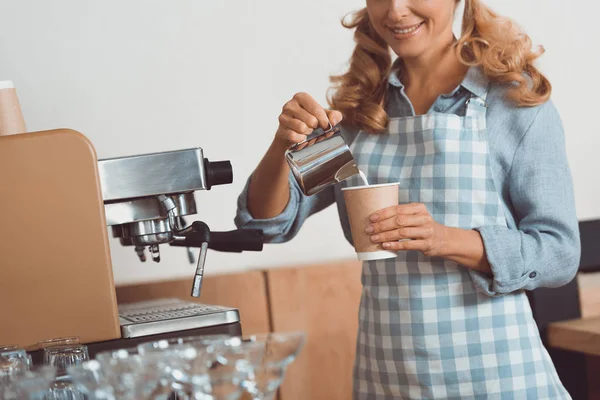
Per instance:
{"type": "Point", "coordinates": [581, 335]}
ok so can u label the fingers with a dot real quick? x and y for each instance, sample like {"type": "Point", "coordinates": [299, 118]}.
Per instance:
{"type": "Point", "coordinates": [294, 124]}
{"type": "Point", "coordinates": [301, 115]}
{"type": "Point", "coordinates": [425, 246]}
{"type": "Point", "coordinates": [398, 221]}
{"type": "Point", "coordinates": [293, 111]}
{"type": "Point", "coordinates": [306, 102]}
{"type": "Point", "coordinates": [418, 245]}
{"type": "Point", "coordinates": [405, 221]}
{"type": "Point", "coordinates": [421, 232]}
{"type": "Point", "coordinates": [334, 116]}
{"type": "Point", "coordinates": [410, 208]}
{"type": "Point", "coordinates": [290, 136]}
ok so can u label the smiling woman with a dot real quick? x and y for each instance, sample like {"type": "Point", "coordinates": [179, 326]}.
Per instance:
{"type": "Point", "coordinates": [466, 129]}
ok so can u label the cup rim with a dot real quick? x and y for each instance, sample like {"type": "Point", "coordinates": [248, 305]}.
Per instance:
{"type": "Point", "coordinates": [370, 186]}
{"type": "Point", "coordinates": [7, 85]}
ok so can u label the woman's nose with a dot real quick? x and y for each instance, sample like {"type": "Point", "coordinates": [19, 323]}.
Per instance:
{"type": "Point", "coordinates": [398, 9]}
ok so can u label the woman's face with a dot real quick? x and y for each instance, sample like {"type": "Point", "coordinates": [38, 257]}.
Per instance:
{"type": "Point", "coordinates": [413, 27]}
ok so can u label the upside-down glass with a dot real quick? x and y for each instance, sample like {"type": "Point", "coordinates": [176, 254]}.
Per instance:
{"type": "Point", "coordinates": [61, 357]}
{"type": "Point", "coordinates": [281, 349]}
{"type": "Point", "coordinates": [133, 376]}
{"type": "Point", "coordinates": [10, 368]}
{"type": "Point", "coordinates": [13, 362]}
{"type": "Point", "coordinates": [60, 341]}
{"type": "Point", "coordinates": [32, 384]}
{"type": "Point", "coordinates": [230, 363]}
{"type": "Point", "coordinates": [90, 379]}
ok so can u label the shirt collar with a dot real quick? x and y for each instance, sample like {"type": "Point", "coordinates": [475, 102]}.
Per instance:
{"type": "Point", "coordinates": [475, 80]}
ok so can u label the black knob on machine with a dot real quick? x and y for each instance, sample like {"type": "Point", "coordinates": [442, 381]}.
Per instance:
{"type": "Point", "coordinates": [217, 173]}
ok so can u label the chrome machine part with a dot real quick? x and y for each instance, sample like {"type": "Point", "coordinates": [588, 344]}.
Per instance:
{"type": "Point", "coordinates": [146, 196]}
{"type": "Point", "coordinates": [163, 173]}
{"type": "Point", "coordinates": [170, 315]}
{"type": "Point", "coordinates": [171, 210]}
{"type": "Point", "coordinates": [146, 233]}
{"type": "Point", "coordinates": [154, 252]}
{"type": "Point", "coordinates": [166, 213]}
{"type": "Point", "coordinates": [148, 208]}
{"type": "Point", "coordinates": [140, 251]}
{"type": "Point", "coordinates": [152, 174]}
{"type": "Point", "coordinates": [197, 285]}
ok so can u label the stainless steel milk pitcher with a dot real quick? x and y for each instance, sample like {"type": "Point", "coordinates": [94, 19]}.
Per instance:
{"type": "Point", "coordinates": [321, 160]}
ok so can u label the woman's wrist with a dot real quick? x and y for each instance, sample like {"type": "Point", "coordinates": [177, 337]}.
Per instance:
{"type": "Point", "coordinates": [279, 146]}
{"type": "Point", "coordinates": [465, 246]}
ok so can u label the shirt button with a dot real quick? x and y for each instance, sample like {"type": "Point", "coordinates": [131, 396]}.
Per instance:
{"type": "Point", "coordinates": [533, 274]}
{"type": "Point", "coordinates": [438, 109]}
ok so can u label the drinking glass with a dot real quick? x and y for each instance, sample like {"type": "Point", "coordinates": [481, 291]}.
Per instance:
{"type": "Point", "coordinates": [64, 356]}
{"type": "Point", "coordinates": [229, 362]}
{"type": "Point", "coordinates": [55, 342]}
{"type": "Point", "coordinates": [10, 368]}
{"type": "Point", "coordinates": [130, 378]}
{"type": "Point", "coordinates": [13, 362]}
{"type": "Point", "coordinates": [280, 350]}
{"type": "Point", "coordinates": [61, 357]}
{"type": "Point", "coordinates": [105, 357]}
{"type": "Point", "coordinates": [90, 379]}
{"type": "Point", "coordinates": [183, 342]}
{"type": "Point", "coordinates": [32, 384]}
{"type": "Point", "coordinates": [133, 376]}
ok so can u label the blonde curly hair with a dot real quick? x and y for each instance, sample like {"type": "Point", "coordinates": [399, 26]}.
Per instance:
{"type": "Point", "coordinates": [494, 43]}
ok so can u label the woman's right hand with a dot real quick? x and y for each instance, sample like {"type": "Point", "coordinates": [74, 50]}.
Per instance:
{"type": "Point", "coordinates": [300, 116]}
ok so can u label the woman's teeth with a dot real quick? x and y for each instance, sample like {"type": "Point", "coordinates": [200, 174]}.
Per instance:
{"type": "Point", "coordinates": [409, 30]}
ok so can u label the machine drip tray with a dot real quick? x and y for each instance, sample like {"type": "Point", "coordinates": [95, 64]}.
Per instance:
{"type": "Point", "coordinates": [153, 320]}
{"type": "Point", "coordinates": [170, 315]}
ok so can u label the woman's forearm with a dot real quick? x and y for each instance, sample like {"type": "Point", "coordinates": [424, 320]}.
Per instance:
{"type": "Point", "coordinates": [269, 190]}
{"type": "Point", "coordinates": [465, 247]}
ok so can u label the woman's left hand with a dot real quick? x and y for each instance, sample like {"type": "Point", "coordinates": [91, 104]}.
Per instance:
{"type": "Point", "coordinates": [407, 221]}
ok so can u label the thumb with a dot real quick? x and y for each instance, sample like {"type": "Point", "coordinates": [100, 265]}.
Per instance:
{"type": "Point", "coordinates": [335, 117]}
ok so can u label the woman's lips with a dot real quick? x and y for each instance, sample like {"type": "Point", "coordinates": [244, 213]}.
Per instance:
{"type": "Point", "coordinates": [405, 32]}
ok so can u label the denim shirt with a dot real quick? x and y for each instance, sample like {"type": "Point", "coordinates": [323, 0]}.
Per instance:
{"type": "Point", "coordinates": [540, 246]}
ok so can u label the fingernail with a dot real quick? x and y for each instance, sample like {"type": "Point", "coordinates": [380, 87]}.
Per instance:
{"type": "Point", "coordinates": [370, 229]}
{"type": "Point", "coordinates": [374, 217]}
{"type": "Point", "coordinates": [375, 238]}
{"type": "Point", "coordinates": [386, 245]}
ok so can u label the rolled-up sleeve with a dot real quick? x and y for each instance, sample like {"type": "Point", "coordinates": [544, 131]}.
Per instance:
{"type": "Point", "coordinates": [544, 250]}
{"type": "Point", "coordinates": [287, 224]}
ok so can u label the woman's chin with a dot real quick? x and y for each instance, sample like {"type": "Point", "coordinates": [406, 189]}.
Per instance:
{"type": "Point", "coordinates": [407, 52]}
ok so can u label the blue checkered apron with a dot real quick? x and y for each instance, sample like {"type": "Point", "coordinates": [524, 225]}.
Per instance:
{"type": "Point", "coordinates": [425, 332]}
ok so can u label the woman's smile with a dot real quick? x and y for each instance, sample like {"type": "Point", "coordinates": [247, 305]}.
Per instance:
{"type": "Point", "coordinates": [406, 31]}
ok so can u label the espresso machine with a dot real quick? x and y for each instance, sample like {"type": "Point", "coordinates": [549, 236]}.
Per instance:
{"type": "Point", "coordinates": [147, 198]}
{"type": "Point", "coordinates": [58, 203]}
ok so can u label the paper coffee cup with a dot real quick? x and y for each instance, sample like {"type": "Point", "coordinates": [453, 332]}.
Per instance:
{"type": "Point", "coordinates": [11, 117]}
{"type": "Point", "coordinates": [361, 202]}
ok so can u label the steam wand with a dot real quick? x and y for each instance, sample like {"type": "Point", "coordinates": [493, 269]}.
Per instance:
{"type": "Point", "coordinates": [199, 235]}
{"type": "Point", "coordinates": [197, 285]}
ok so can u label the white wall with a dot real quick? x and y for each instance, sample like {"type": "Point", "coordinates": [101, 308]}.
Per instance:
{"type": "Point", "coordinates": [139, 76]}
